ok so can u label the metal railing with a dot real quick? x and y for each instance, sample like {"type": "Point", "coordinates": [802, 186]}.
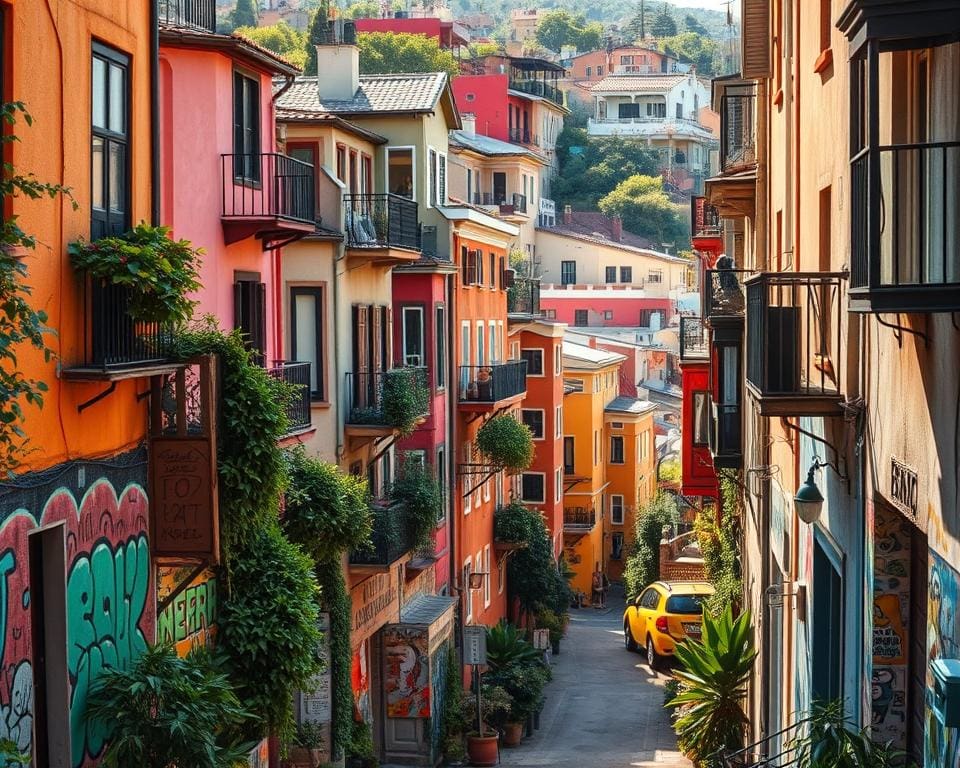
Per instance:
{"type": "Point", "coordinates": [723, 293]}
{"type": "Point", "coordinates": [524, 136]}
{"type": "Point", "coordinates": [297, 374]}
{"type": "Point", "coordinates": [704, 218]}
{"type": "Point", "coordinates": [483, 198]}
{"type": "Point", "coordinates": [793, 333]}
{"type": "Point", "coordinates": [381, 221]}
{"type": "Point", "coordinates": [693, 338]}
{"type": "Point", "coordinates": [910, 193]}
{"type": "Point", "coordinates": [268, 185]}
{"type": "Point", "coordinates": [492, 382]}
{"type": "Point", "coordinates": [517, 204]}
{"type": "Point", "coordinates": [579, 518]}
{"type": "Point", "coordinates": [523, 297]}
{"type": "Point", "coordinates": [778, 750]}
{"type": "Point", "coordinates": [738, 128]}
{"type": "Point", "coordinates": [538, 88]}
{"type": "Point", "coordinates": [116, 340]}
{"type": "Point", "coordinates": [390, 539]}
{"type": "Point", "coordinates": [387, 398]}
{"type": "Point", "coordinates": [192, 14]}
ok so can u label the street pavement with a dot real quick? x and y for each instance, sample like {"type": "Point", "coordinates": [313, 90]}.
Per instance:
{"type": "Point", "coordinates": [604, 707]}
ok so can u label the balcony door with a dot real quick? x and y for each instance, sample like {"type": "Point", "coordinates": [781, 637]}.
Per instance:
{"type": "Point", "coordinates": [499, 188]}
{"type": "Point", "coordinates": [627, 111]}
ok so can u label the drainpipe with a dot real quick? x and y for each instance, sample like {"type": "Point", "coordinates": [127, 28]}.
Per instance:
{"type": "Point", "coordinates": [154, 113]}
{"type": "Point", "coordinates": [287, 85]}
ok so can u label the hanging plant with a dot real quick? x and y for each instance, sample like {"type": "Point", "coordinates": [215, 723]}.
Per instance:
{"type": "Point", "coordinates": [418, 491]}
{"type": "Point", "coordinates": [159, 271]}
{"type": "Point", "coordinates": [506, 442]}
{"type": "Point", "coordinates": [405, 398]}
{"type": "Point", "coordinates": [513, 524]}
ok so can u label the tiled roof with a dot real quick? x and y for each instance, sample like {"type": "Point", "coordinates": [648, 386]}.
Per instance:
{"type": "Point", "coordinates": [489, 146]}
{"type": "Point", "coordinates": [639, 83]}
{"type": "Point", "coordinates": [595, 227]}
{"type": "Point", "coordinates": [624, 404]}
{"type": "Point", "coordinates": [376, 94]}
{"type": "Point", "coordinates": [590, 355]}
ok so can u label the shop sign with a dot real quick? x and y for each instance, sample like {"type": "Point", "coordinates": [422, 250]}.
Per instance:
{"type": "Point", "coordinates": [374, 604]}
{"type": "Point", "coordinates": [904, 488]}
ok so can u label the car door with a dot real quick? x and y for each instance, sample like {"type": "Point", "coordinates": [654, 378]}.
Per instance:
{"type": "Point", "coordinates": [646, 604]}
{"type": "Point", "coordinates": [634, 616]}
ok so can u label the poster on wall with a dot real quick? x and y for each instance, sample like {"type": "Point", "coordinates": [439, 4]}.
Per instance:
{"type": "Point", "coordinates": [406, 671]}
{"type": "Point", "coordinates": [315, 704]}
{"type": "Point", "coordinates": [360, 682]}
{"type": "Point", "coordinates": [942, 745]}
{"type": "Point", "coordinates": [190, 619]}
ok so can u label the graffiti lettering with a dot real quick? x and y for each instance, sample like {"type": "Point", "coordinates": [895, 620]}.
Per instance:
{"type": "Point", "coordinates": [191, 618]}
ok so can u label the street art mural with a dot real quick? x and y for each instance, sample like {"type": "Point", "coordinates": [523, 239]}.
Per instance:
{"type": "Point", "coordinates": [103, 510]}
{"type": "Point", "coordinates": [407, 673]}
{"type": "Point", "coordinates": [190, 619]}
{"type": "Point", "coordinates": [941, 745]}
{"type": "Point", "coordinates": [891, 606]}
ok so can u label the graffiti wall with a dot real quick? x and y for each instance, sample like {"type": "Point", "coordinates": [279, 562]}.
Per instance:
{"type": "Point", "coordinates": [102, 507]}
{"type": "Point", "coordinates": [891, 617]}
{"type": "Point", "coordinates": [941, 745]}
{"type": "Point", "coordinates": [407, 671]}
{"type": "Point", "coordinates": [190, 619]}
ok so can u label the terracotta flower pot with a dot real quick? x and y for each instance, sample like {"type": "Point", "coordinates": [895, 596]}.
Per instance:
{"type": "Point", "coordinates": [512, 734]}
{"type": "Point", "coordinates": [483, 750]}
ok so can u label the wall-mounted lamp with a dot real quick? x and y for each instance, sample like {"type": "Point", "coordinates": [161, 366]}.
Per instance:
{"type": "Point", "coordinates": [809, 501]}
{"type": "Point", "coordinates": [476, 580]}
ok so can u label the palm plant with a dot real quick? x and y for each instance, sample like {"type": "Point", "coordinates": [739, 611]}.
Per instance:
{"type": "Point", "coordinates": [507, 648]}
{"type": "Point", "coordinates": [833, 741]}
{"type": "Point", "coordinates": [713, 676]}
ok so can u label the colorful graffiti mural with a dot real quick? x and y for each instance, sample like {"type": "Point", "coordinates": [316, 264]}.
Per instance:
{"type": "Point", "coordinates": [941, 745]}
{"type": "Point", "coordinates": [407, 673]}
{"type": "Point", "coordinates": [190, 619]}
{"type": "Point", "coordinates": [108, 581]}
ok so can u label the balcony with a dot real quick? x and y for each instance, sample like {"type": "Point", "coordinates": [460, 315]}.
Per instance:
{"type": "Point", "coordinates": [189, 14]}
{"type": "Point", "coordinates": [522, 136]}
{"type": "Point", "coordinates": [390, 539]}
{"type": "Point", "coordinates": [384, 402]}
{"type": "Point", "coordinates": [491, 386]}
{"type": "Point", "coordinates": [383, 229]}
{"type": "Point", "coordinates": [905, 228]}
{"type": "Point", "coordinates": [737, 128]}
{"type": "Point", "coordinates": [693, 340]}
{"type": "Point", "coordinates": [538, 88]}
{"type": "Point", "coordinates": [649, 126]}
{"type": "Point", "coordinates": [523, 298]}
{"type": "Point", "coordinates": [268, 196]}
{"type": "Point", "coordinates": [793, 331]}
{"type": "Point", "coordinates": [723, 294]}
{"type": "Point", "coordinates": [726, 435]}
{"type": "Point", "coordinates": [704, 219]}
{"type": "Point", "coordinates": [297, 375]}
{"type": "Point", "coordinates": [579, 520]}
{"type": "Point", "coordinates": [506, 205]}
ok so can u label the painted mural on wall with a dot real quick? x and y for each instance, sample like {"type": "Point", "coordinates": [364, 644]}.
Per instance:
{"type": "Point", "coordinates": [407, 671]}
{"type": "Point", "coordinates": [941, 745]}
{"type": "Point", "coordinates": [891, 606]}
{"type": "Point", "coordinates": [103, 510]}
{"type": "Point", "coordinates": [190, 620]}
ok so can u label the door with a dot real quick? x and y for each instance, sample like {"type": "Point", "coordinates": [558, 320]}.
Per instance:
{"type": "Point", "coordinates": [499, 188]}
{"type": "Point", "coordinates": [917, 656]}
{"type": "Point", "coordinates": [827, 623]}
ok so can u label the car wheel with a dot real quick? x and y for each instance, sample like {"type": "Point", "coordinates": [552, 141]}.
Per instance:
{"type": "Point", "coordinates": [629, 643]}
{"type": "Point", "coordinates": [653, 658]}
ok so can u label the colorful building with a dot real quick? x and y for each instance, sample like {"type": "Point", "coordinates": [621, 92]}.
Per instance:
{"type": "Point", "coordinates": [450, 35]}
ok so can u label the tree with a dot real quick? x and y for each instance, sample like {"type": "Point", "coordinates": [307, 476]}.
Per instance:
{"type": "Point", "coordinates": [643, 563]}
{"type": "Point", "coordinates": [389, 52]}
{"type": "Point", "coordinates": [559, 28]}
{"type": "Point", "coordinates": [700, 51]}
{"type": "Point", "coordinates": [363, 9]}
{"type": "Point", "coordinates": [691, 24]}
{"type": "Point", "coordinates": [646, 210]}
{"type": "Point", "coordinates": [664, 25]}
{"type": "Point", "coordinates": [318, 34]}
{"type": "Point", "coordinates": [591, 37]}
{"type": "Point", "coordinates": [280, 38]}
{"type": "Point", "coordinates": [244, 14]}
{"type": "Point", "coordinates": [636, 28]}
{"type": "Point", "coordinates": [480, 50]}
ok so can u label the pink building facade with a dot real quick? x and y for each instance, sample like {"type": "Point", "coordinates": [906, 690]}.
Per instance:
{"type": "Point", "coordinates": [581, 308]}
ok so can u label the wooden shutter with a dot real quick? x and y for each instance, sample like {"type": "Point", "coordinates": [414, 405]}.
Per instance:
{"type": "Point", "coordinates": [388, 338]}
{"type": "Point", "coordinates": [493, 270]}
{"type": "Point", "coordinates": [755, 23]}
{"type": "Point", "coordinates": [360, 355]}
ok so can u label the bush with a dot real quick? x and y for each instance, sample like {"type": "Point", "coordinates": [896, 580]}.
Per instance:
{"type": "Point", "coordinates": [405, 398]}
{"type": "Point", "coordinates": [512, 524]}
{"type": "Point", "coordinates": [495, 706]}
{"type": "Point", "coordinates": [416, 488]}
{"type": "Point", "coordinates": [336, 600]}
{"type": "Point", "coordinates": [507, 648]}
{"type": "Point", "coordinates": [524, 683]}
{"type": "Point", "coordinates": [643, 563]}
{"type": "Point", "coordinates": [720, 549]}
{"type": "Point", "coordinates": [506, 442]}
{"type": "Point", "coordinates": [268, 629]}
{"type": "Point", "coordinates": [534, 578]}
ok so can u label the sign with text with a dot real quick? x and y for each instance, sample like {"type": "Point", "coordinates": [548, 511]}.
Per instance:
{"type": "Point", "coordinates": [904, 488]}
{"type": "Point", "coordinates": [475, 645]}
{"type": "Point", "coordinates": [315, 705]}
{"type": "Point", "coordinates": [374, 603]}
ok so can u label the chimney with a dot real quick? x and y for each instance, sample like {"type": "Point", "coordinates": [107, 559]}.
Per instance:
{"type": "Point", "coordinates": [340, 65]}
{"type": "Point", "coordinates": [469, 120]}
{"type": "Point", "coordinates": [616, 227]}
{"type": "Point", "coordinates": [567, 215]}
{"type": "Point", "coordinates": [592, 342]}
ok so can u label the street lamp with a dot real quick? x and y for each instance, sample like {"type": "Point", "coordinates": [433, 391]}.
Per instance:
{"type": "Point", "coordinates": [809, 501]}
{"type": "Point", "coordinates": [475, 580]}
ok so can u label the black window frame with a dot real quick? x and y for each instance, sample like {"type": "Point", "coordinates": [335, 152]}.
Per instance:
{"type": "Point", "coordinates": [616, 545]}
{"type": "Point", "coordinates": [701, 430]}
{"type": "Point", "coordinates": [623, 507]}
{"type": "Point", "coordinates": [317, 292]}
{"type": "Point", "coordinates": [440, 338]}
{"type": "Point", "coordinates": [533, 369]}
{"type": "Point", "coordinates": [568, 268]}
{"type": "Point", "coordinates": [246, 160]}
{"type": "Point", "coordinates": [543, 487]}
{"type": "Point", "coordinates": [105, 222]}
{"type": "Point", "coordinates": [616, 440]}
{"type": "Point", "coordinates": [421, 310]}
{"type": "Point", "coordinates": [543, 417]}
{"type": "Point", "coordinates": [626, 274]}
{"type": "Point", "coordinates": [577, 315]}
{"type": "Point", "coordinates": [250, 312]}
{"type": "Point", "coordinates": [569, 468]}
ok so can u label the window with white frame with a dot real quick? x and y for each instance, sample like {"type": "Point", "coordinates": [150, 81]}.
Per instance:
{"type": "Point", "coordinates": [532, 487]}
{"type": "Point", "coordinates": [440, 335]}
{"type": "Point", "coordinates": [558, 422]}
{"type": "Point", "coordinates": [414, 352]}
{"type": "Point", "coordinates": [481, 346]}
{"type": "Point", "coordinates": [432, 176]}
{"type": "Point", "coordinates": [486, 576]}
{"type": "Point", "coordinates": [557, 360]}
{"type": "Point", "coordinates": [493, 349]}
{"type": "Point", "coordinates": [533, 418]}
{"type": "Point", "coordinates": [616, 509]}
{"type": "Point", "coordinates": [557, 484]}
{"type": "Point", "coordinates": [467, 592]}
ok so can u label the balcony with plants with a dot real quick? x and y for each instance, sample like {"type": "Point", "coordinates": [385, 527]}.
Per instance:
{"type": "Point", "coordinates": [793, 364]}
{"type": "Point", "coordinates": [381, 229]}
{"type": "Point", "coordinates": [385, 402]}
{"type": "Point", "coordinates": [492, 386]}
{"type": "Point", "coordinates": [523, 298]}
{"type": "Point", "coordinates": [268, 196]}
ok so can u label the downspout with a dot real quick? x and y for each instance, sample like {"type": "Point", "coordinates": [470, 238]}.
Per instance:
{"type": "Point", "coordinates": [154, 113]}
{"type": "Point", "coordinates": [787, 88]}
{"type": "Point", "coordinates": [288, 84]}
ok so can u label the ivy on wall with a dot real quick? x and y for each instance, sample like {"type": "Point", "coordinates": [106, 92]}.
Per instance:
{"type": "Point", "coordinates": [719, 545]}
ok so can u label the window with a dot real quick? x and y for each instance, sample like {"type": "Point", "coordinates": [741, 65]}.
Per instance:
{"type": "Point", "coordinates": [558, 422]}
{"type": "Point", "coordinates": [616, 509]}
{"type": "Point", "coordinates": [651, 317]}
{"type": "Point", "coordinates": [481, 339]}
{"type": "Point", "coordinates": [626, 59]}
{"type": "Point", "coordinates": [533, 418]}
{"type": "Point", "coordinates": [608, 314]}
{"type": "Point", "coordinates": [493, 270]}
{"type": "Point", "coordinates": [573, 386]}
{"type": "Point", "coordinates": [568, 461]}
{"type": "Point", "coordinates": [701, 418]}
{"type": "Point", "coordinates": [557, 485]}
{"type": "Point", "coordinates": [550, 314]}
{"type": "Point", "coordinates": [432, 175]}
{"type": "Point", "coordinates": [467, 592]}
{"type": "Point", "coordinates": [626, 274]}
{"type": "Point", "coordinates": [440, 335]}
{"type": "Point", "coordinates": [250, 312]}
{"type": "Point", "coordinates": [686, 604]}
{"type": "Point", "coordinates": [626, 111]}
{"type": "Point", "coordinates": [413, 336]}
{"type": "Point", "coordinates": [655, 276]}
{"type": "Point", "coordinates": [827, 622]}
{"type": "Point", "coordinates": [568, 272]}
{"type": "Point", "coordinates": [440, 194]}
{"type": "Point", "coordinates": [442, 480]}
{"type": "Point", "coordinates": [589, 71]}
{"type": "Point", "coordinates": [110, 162]}
{"type": "Point", "coordinates": [649, 599]}
{"type": "Point", "coordinates": [580, 317]}
{"type": "Point", "coordinates": [469, 185]}
{"type": "Point", "coordinates": [246, 128]}
{"type": "Point", "coordinates": [532, 487]}
{"type": "Point", "coordinates": [307, 334]}
{"type": "Point", "coordinates": [657, 110]}
{"type": "Point", "coordinates": [599, 70]}
{"type": "Point", "coordinates": [486, 576]}
{"type": "Point", "coordinates": [478, 260]}
{"type": "Point", "coordinates": [679, 111]}
{"type": "Point", "coordinates": [465, 373]}
{"type": "Point", "coordinates": [610, 274]}
{"type": "Point", "coordinates": [401, 180]}
{"type": "Point", "coordinates": [342, 163]}
{"type": "Point", "coordinates": [616, 449]}
{"type": "Point", "coordinates": [557, 360]}
{"type": "Point", "coordinates": [616, 546]}
{"type": "Point", "coordinates": [534, 358]}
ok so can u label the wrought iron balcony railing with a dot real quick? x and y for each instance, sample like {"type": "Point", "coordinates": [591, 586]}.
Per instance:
{"type": "Point", "coordinates": [114, 339]}
{"type": "Point", "coordinates": [523, 297]}
{"type": "Point", "coordinates": [381, 221]}
{"type": "Point", "coordinates": [693, 339]}
{"type": "Point", "coordinates": [538, 88]}
{"type": "Point", "coordinates": [267, 185]}
{"type": "Point", "coordinates": [905, 228]}
{"type": "Point", "coordinates": [704, 218]}
{"type": "Point", "coordinates": [579, 518]}
{"type": "Point", "coordinates": [192, 14]}
{"type": "Point", "coordinates": [387, 398]}
{"type": "Point", "coordinates": [738, 128]}
{"type": "Point", "coordinates": [297, 374]}
{"type": "Point", "coordinates": [723, 293]}
{"type": "Point", "coordinates": [390, 539]}
{"type": "Point", "coordinates": [517, 203]}
{"type": "Point", "coordinates": [493, 382]}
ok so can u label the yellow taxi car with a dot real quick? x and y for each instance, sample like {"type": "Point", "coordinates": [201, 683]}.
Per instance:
{"type": "Point", "coordinates": [662, 615]}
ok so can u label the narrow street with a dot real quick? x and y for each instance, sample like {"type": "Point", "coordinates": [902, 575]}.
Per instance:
{"type": "Point", "coordinates": [604, 706]}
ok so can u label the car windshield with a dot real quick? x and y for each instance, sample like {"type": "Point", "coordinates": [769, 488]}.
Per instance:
{"type": "Point", "coordinates": [689, 604]}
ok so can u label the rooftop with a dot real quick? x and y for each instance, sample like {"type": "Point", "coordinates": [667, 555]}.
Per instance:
{"type": "Point", "coordinates": [377, 94]}
{"type": "Point", "coordinates": [486, 145]}
{"type": "Point", "coordinates": [235, 45]}
{"type": "Point", "coordinates": [639, 83]}
{"type": "Point", "coordinates": [589, 355]}
{"type": "Point", "coordinates": [595, 227]}
{"type": "Point", "coordinates": [629, 405]}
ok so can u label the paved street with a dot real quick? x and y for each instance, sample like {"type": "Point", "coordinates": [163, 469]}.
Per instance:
{"type": "Point", "coordinates": [604, 706]}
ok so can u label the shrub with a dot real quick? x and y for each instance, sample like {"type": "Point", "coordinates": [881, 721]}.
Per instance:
{"type": "Point", "coordinates": [417, 489]}
{"type": "Point", "coordinates": [361, 741]}
{"type": "Point", "coordinates": [506, 648]}
{"type": "Point", "coordinates": [336, 600]}
{"type": "Point", "coordinates": [512, 524]}
{"type": "Point", "coordinates": [495, 707]}
{"type": "Point", "coordinates": [832, 740]}
{"type": "Point", "coordinates": [524, 683]}
{"type": "Point", "coordinates": [405, 398]}
{"type": "Point", "coordinates": [506, 442]}
{"type": "Point", "coordinates": [643, 563]}
{"type": "Point", "coordinates": [534, 579]}
{"type": "Point", "coordinates": [720, 549]}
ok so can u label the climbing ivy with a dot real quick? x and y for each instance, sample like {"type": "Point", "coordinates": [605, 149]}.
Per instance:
{"type": "Point", "coordinates": [336, 600]}
{"type": "Point", "coordinates": [643, 562]}
{"type": "Point", "coordinates": [719, 546]}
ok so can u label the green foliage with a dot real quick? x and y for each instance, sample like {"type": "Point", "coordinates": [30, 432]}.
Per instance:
{"type": "Point", "coordinates": [10, 755]}
{"type": "Point", "coordinates": [165, 711]}
{"type": "Point", "coordinates": [558, 28]}
{"type": "Point", "coordinates": [701, 51]}
{"type": "Point", "coordinates": [524, 682]}
{"type": "Point", "coordinates": [280, 38]}
{"type": "Point", "coordinates": [309, 735]}
{"type": "Point", "coordinates": [418, 491]}
{"type": "Point", "coordinates": [268, 629]}
{"type": "Point", "coordinates": [160, 272]}
{"type": "Point", "coordinates": [318, 33]}
{"type": "Point", "coordinates": [495, 707]}
{"type": "Point", "coordinates": [638, 26]}
{"type": "Point", "coordinates": [405, 398]}
{"type": "Point", "coordinates": [555, 622]}
{"type": "Point", "coordinates": [719, 546]}
{"type": "Point", "coordinates": [832, 740]}
{"type": "Point", "coordinates": [454, 723]}
{"type": "Point", "coordinates": [714, 675]}
{"type": "Point", "coordinates": [692, 24]}
{"type": "Point", "coordinates": [670, 471]}
{"type": "Point", "coordinates": [391, 52]}
{"type": "Point", "coordinates": [506, 442]}
{"type": "Point", "coordinates": [534, 579]}
{"type": "Point", "coordinates": [361, 741]}
{"type": "Point", "coordinates": [244, 14]}
{"type": "Point", "coordinates": [664, 24]}
{"type": "Point", "coordinates": [364, 9]}
{"type": "Point", "coordinates": [327, 511]}
{"type": "Point", "coordinates": [643, 563]}
{"type": "Point", "coordinates": [647, 210]}
{"type": "Point", "coordinates": [506, 647]}
{"type": "Point", "coordinates": [252, 419]}
{"type": "Point", "coordinates": [479, 50]}
{"type": "Point", "coordinates": [336, 601]}
{"type": "Point", "coordinates": [21, 325]}
{"type": "Point", "coordinates": [513, 523]}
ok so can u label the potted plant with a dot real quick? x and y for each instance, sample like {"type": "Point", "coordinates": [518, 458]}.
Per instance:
{"type": "Point", "coordinates": [506, 442]}
{"type": "Point", "coordinates": [483, 743]}
{"type": "Point", "coordinates": [308, 748]}
{"type": "Point", "coordinates": [524, 682]}
{"type": "Point", "coordinates": [556, 624]}
{"type": "Point", "coordinates": [360, 750]}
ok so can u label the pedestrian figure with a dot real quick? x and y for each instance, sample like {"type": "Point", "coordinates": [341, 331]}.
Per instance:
{"type": "Point", "coordinates": [597, 587]}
